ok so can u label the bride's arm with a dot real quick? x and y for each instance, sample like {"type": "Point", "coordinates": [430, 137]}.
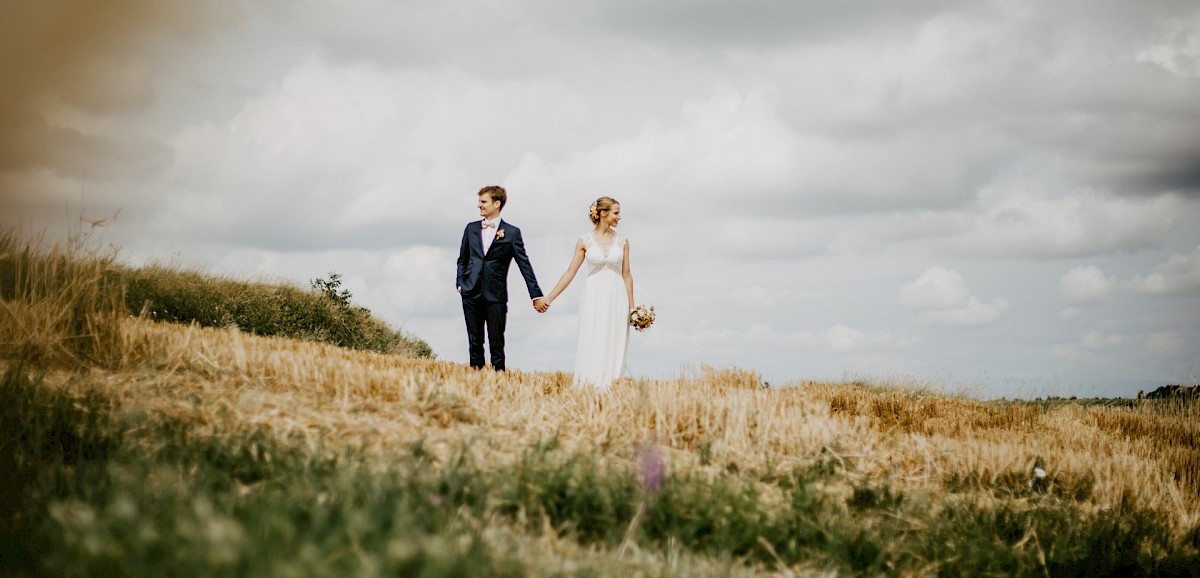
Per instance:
{"type": "Point", "coordinates": [569, 274]}
{"type": "Point", "coordinates": [628, 275]}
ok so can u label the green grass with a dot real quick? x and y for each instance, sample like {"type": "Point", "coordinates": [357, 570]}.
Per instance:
{"type": "Point", "coordinates": [86, 283]}
{"type": "Point", "coordinates": [180, 296]}
{"type": "Point", "coordinates": [91, 491]}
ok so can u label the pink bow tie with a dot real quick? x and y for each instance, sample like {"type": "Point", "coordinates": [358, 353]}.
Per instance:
{"type": "Point", "coordinates": [487, 225]}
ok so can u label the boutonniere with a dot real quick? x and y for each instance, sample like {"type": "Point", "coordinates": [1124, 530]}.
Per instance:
{"type": "Point", "coordinates": [499, 233]}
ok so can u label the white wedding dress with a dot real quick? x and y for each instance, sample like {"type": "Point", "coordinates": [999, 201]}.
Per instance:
{"type": "Point", "coordinates": [603, 316]}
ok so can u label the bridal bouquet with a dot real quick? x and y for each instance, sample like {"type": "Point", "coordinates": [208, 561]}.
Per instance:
{"type": "Point", "coordinates": [642, 317]}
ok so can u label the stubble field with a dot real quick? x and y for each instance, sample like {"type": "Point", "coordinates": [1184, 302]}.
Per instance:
{"type": "Point", "coordinates": [134, 447]}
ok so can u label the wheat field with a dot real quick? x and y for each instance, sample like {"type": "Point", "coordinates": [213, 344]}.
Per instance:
{"type": "Point", "coordinates": [712, 421]}
{"type": "Point", "coordinates": [940, 452]}
{"type": "Point", "coordinates": [916, 439]}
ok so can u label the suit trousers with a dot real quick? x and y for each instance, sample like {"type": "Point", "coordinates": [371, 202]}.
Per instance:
{"type": "Point", "coordinates": [485, 317]}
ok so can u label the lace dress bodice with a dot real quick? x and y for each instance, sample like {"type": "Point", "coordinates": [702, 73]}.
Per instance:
{"type": "Point", "coordinates": [601, 257]}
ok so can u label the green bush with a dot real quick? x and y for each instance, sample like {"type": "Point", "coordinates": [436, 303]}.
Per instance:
{"type": "Point", "coordinates": [322, 314]}
{"type": "Point", "coordinates": [86, 291]}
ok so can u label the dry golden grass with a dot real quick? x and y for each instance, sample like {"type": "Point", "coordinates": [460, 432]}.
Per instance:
{"type": "Point", "coordinates": [711, 420]}
{"type": "Point", "coordinates": [58, 306]}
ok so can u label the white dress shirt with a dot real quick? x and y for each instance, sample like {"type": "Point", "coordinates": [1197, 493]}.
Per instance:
{"type": "Point", "coordinates": [488, 234]}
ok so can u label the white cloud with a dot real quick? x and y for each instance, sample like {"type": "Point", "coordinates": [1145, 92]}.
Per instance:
{"type": "Point", "coordinates": [353, 150]}
{"type": "Point", "coordinates": [1177, 50]}
{"type": "Point", "coordinates": [1070, 314]}
{"type": "Point", "coordinates": [975, 312]}
{"type": "Point", "coordinates": [1167, 343]}
{"type": "Point", "coordinates": [418, 280]}
{"type": "Point", "coordinates": [1007, 220]}
{"type": "Point", "coordinates": [936, 288]}
{"type": "Point", "coordinates": [1085, 284]}
{"type": "Point", "coordinates": [1034, 224]}
{"type": "Point", "coordinates": [837, 338]}
{"type": "Point", "coordinates": [945, 300]}
{"type": "Point", "coordinates": [1098, 340]}
{"type": "Point", "coordinates": [1181, 274]}
{"type": "Point", "coordinates": [1072, 353]}
{"type": "Point", "coordinates": [729, 146]}
{"type": "Point", "coordinates": [841, 338]}
{"type": "Point", "coordinates": [1094, 347]}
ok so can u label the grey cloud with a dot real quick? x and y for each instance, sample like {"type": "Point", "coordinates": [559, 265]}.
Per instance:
{"type": "Point", "coordinates": [1179, 275]}
{"type": "Point", "coordinates": [513, 39]}
{"type": "Point", "coordinates": [1038, 225]}
{"type": "Point", "coordinates": [294, 215]}
{"type": "Point", "coordinates": [709, 24]}
{"type": "Point", "coordinates": [1130, 129]}
{"type": "Point", "coordinates": [1180, 174]}
{"type": "Point", "coordinates": [33, 143]}
{"type": "Point", "coordinates": [108, 85]}
{"type": "Point", "coordinates": [287, 232]}
{"type": "Point", "coordinates": [1085, 283]}
{"type": "Point", "coordinates": [1050, 87]}
{"type": "Point", "coordinates": [57, 52]}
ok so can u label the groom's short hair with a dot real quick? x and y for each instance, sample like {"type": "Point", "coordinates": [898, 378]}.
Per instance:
{"type": "Point", "coordinates": [496, 192]}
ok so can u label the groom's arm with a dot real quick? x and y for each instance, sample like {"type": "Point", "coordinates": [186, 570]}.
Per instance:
{"type": "Point", "coordinates": [526, 268]}
{"type": "Point", "coordinates": [464, 256]}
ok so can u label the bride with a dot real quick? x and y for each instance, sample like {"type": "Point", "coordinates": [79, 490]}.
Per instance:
{"type": "Point", "coordinates": [606, 301]}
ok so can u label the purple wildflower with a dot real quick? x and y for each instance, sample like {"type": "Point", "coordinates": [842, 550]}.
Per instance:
{"type": "Point", "coordinates": [651, 467]}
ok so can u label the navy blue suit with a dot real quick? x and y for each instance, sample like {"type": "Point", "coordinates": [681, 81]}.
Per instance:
{"type": "Point", "coordinates": [483, 284]}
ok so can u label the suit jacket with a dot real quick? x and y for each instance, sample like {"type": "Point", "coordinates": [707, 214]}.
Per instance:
{"type": "Point", "coordinates": [486, 275]}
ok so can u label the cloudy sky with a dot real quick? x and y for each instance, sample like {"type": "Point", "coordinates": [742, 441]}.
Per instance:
{"type": "Point", "coordinates": [1001, 197]}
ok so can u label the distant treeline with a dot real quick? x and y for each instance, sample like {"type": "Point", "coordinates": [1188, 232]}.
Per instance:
{"type": "Point", "coordinates": [1166, 392]}
{"type": "Point", "coordinates": [1173, 392]}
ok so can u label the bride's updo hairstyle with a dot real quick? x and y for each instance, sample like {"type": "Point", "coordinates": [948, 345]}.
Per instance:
{"type": "Point", "coordinates": [601, 207]}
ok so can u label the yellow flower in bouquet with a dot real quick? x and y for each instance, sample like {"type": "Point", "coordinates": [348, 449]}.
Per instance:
{"type": "Point", "coordinates": [642, 317]}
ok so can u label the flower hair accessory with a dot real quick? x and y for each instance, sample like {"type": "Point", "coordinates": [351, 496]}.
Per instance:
{"type": "Point", "coordinates": [594, 212]}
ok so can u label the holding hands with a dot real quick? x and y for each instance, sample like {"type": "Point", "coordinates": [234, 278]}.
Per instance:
{"type": "Point", "coordinates": [541, 305]}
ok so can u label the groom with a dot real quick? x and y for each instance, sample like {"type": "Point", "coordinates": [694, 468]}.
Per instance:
{"type": "Point", "coordinates": [488, 248]}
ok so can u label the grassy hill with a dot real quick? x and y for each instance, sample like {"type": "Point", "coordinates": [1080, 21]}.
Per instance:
{"type": "Point", "coordinates": [170, 294]}
{"type": "Point", "coordinates": [141, 448]}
